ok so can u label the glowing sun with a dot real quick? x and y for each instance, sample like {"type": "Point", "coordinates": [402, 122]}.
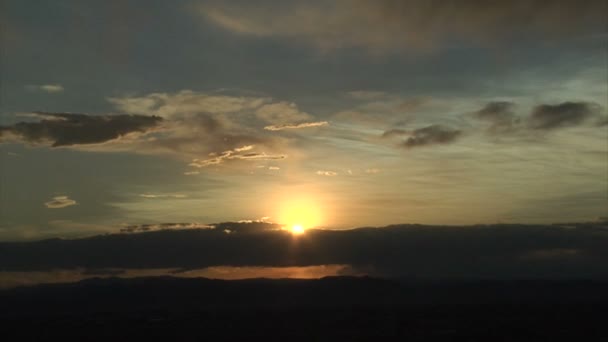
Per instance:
{"type": "Point", "coordinates": [299, 214]}
{"type": "Point", "coordinates": [297, 229]}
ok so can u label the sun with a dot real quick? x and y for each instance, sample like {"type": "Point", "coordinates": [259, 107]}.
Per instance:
{"type": "Point", "coordinates": [298, 214]}
{"type": "Point", "coordinates": [297, 229]}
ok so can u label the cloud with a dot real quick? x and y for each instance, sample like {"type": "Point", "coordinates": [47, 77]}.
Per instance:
{"type": "Point", "coordinates": [138, 228]}
{"type": "Point", "coordinates": [185, 103]}
{"type": "Point", "coordinates": [508, 251]}
{"type": "Point", "coordinates": [414, 103]}
{"type": "Point", "coordinates": [163, 195]}
{"type": "Point", "coordinates": [199, 123]}
{"type": "Point", "coordinates": [296, 126]}
{"type": "Point", "coordinates": [243, 226]}
{"type": "Point", "coordinates": [59, 202]}
{"type": "Point", "coordinates": [418, 25]}
{"type": "Point", "coordinates": [502, 119]}
{"type": "Point", "coordinates": [185, 124]}
{"type": "Point", "coordinates": [499, 115]}
{"type": "Point", "coordinates": [566, 114]}
{"type": "Point", "coordinates": [372, 171]}
{"type": "Point", "coordinates": [326, 173]}
{"type": "Point", "coordinates": [236, 154]}
{"type": "Point", "coordinates": [66, 129]}
{"type": "Point", "coordinates": [431, 135]}
{"type": "Point", "coordinates": [191, 173]}
{"type": "Point", "coordinates": [394, 133]}
{"type": "Point", "coordinates": [281, 113]}
{"type": "Point", "coordinates": [49, 88]}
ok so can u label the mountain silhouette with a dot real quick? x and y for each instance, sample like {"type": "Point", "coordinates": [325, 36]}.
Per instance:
{"type": "Point", "coordinates": [321, 309]}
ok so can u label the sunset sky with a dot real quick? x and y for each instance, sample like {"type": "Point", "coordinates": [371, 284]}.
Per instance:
{"type": "Point", "coordinates": [331, 114]}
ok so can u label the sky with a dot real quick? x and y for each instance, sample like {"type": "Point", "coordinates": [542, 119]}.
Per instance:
{"type": "Point", "coordinates": [118, 115]}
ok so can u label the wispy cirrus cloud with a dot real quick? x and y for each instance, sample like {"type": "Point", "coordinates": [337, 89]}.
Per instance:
{"type": "Point", "coordinates": [185, 103]}
{"type": "Point", "coordinates": [296, 126]}
{"type": "Point", "coordinates": [326, 173]}
{"type": "Point", "coordinates": [239, 153]}
{"type": "Point", "coordinates": [151, 196]}
{"type": "Point", "coordinates": [59, 202]}
{"type": "Point", "coordinates": [48, 88]}
{"type": "Point", "coordinates": [418, 25]}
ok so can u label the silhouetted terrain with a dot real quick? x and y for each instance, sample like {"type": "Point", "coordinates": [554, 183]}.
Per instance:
{"type": "Point", "coordinates": [331, 308]}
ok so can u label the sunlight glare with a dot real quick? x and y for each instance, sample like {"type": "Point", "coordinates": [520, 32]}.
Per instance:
{"type": "Point", "coordinates": [299, 214]}
{"type": "Point", "coordinates": [297, 229]}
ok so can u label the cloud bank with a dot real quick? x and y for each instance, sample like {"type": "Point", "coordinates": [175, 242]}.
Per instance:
{"type": "Point", "coordinates": [575, 250]}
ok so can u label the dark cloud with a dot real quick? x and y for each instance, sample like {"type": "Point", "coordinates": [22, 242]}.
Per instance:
{"type": "Point", "coordinates": [226, 227]}
{"type": "Point", "coordinates": [573, 250]}
{"type": "Point", "coordinates": [394, 133]}
{"type": "Point", "coordinates": [496, 111]}
{"type": "Point", "coordinates": [499, 115]}
{"type": "Point", "coordinates": [566, 114]}
{"type": "Point", "coordinates": [247, 227]}
{"type": "Point", "coordinates": [502, 119]}
{"type": "Point", "coordinates": [138, 228]}
{"type": "Point", "coordinates": [431, 135]}
{"type": "Point", "coordinates": [65, 129]}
